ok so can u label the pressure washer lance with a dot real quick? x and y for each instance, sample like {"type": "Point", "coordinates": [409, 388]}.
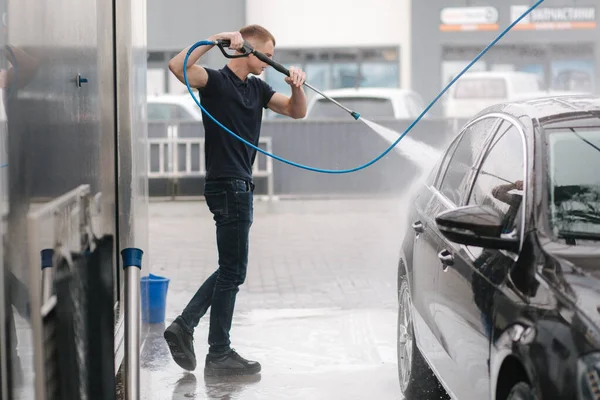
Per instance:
{"type": "Point", "coordinates": [247, 49]}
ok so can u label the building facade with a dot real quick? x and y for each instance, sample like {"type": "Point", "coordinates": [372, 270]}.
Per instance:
{"type": "Point", "coordinates": [390, 43]}
{"type": "Point", "coordinates": [338, 43]}
{"type": "Point", "coordinates": [559, 41]}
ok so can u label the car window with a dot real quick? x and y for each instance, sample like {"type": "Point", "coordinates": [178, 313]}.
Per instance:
{"type": "Point", "coordinates": [460, 165]}
{"type": "Point", "coordinates": [480, 88]}
{"type": "Point", "coordinates": [181, 114]}
{"type": "Point", "coordinates": [443, 163]}
{"type": "Point", "coordinates": [160, 112]}
{"type": "Point", "coordinates": [369, 107]}
{"type": "Point", "coordinates": [499, 181]}
{"type": "Point", "coordinates": [574, 182]}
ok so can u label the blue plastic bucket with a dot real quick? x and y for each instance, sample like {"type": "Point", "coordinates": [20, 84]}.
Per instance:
{"type": "Point", "coordinates": [153, 289]}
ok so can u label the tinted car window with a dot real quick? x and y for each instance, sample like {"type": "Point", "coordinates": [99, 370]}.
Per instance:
{"type": "Point", "coordinates": [574, 182]}
{"type": "Point", "coordinates": [499, 182]}
{"type": "Point", "coordinates": [368, 107]}
{"type": "Point", "coordinates": [443, 163]}
{"type": "Point", "coordinates": [463, 159]}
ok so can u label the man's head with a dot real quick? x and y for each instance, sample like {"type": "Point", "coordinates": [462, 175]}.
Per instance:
{"type": "Point", "coordinates": [261, 40]}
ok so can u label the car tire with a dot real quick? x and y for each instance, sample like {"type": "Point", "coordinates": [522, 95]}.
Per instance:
{"type": "Point", "coordinates": [521, 391]}
{"type": "Point", "coordinates": [417, 380]}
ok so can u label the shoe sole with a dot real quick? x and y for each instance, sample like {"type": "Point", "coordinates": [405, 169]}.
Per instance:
{"type": "Point", "coordinates": [231, 371]}
{"type": "Point", "coordinates": [180, 356]}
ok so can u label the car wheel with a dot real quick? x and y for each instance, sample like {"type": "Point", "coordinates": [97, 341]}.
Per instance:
{"type": "Point", "coordinates": [521, 391]}
{"type": "Point", "coordinates": [417, 380]}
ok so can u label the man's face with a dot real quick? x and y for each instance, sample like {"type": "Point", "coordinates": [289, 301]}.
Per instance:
{"type": "Point", "coordinates": [255, 65]}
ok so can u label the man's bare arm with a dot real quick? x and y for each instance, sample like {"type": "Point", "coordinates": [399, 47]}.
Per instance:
{"type": "Point", "coordinates": [294, 106]}
{"type": "Point", "coordinates": [196, 74]}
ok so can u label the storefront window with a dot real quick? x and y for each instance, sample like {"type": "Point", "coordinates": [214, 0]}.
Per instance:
{"type": "Point", "coordinates": [374, 74]}
{"type": "Point", "coordinates": [573, 75]}
{"type": "Point", "coordinates": [345, 75]}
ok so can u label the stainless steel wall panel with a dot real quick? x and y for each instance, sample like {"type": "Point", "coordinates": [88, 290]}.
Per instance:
{"type": "Point", "coordinates": [61, 134]}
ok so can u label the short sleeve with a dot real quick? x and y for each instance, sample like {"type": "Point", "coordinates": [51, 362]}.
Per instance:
{"type": "Point", "coordinates": [213, 84]}
{"type": "Point", "coordinates": [267, 93]}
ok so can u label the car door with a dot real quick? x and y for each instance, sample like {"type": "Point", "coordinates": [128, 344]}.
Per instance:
{"type": "Point", "coordinates": [444, 193]}
{"type": "Point", "coordinates": [471, 275]}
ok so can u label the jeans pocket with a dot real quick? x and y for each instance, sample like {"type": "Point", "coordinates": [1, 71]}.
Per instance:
{"type": "Point", "coordinates": [245, 206]}
{"type": "Point", "coordinates": [217, 203]}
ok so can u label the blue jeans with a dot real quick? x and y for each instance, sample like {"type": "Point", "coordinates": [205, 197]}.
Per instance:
{"type": "Point", "coordinates": [231, 203]}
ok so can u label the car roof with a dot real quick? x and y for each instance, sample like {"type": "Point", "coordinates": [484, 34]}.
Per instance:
{"type": "Point", "coordinates": [171, 98]}
{"type": "Point", "coordinates": [383, 93]}
{"type": "Point", "coordinates": [548, 108]}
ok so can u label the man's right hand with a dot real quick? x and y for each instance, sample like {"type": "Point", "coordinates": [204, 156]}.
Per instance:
{"type": "Point", "coordinates": [236, 39]}
{"type": "Point", "coordinates": [196, 74]}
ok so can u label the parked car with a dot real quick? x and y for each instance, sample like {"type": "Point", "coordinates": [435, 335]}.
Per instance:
{"type": "Point", "coordinates": [173, 108]}
{"type": "Point", "coordinates": [474, 91]}
{"type": "Point", "coordinates": [371, 103]}
{"type": "Point", "coordinates": [499, 272]}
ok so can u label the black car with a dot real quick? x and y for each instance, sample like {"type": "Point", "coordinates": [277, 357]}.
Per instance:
{"type": "Point", "coordinates": [499, 273]}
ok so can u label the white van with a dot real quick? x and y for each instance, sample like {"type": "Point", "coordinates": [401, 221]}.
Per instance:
{"type": "Point", "coordinates": [179, 107]}
{"type": "Point", "coordinates": [369, 102]}
{"type": "Point", "coordinates": [474, 91]}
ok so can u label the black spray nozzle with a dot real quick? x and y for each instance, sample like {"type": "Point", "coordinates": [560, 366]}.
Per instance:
{"type": "Point", "coordinates": [246, 49]}
{"type": "Point", "coordinates": [272, 63]}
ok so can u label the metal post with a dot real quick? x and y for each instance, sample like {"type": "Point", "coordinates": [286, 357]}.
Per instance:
{"type": "Point", "coordinates": [132, 265]}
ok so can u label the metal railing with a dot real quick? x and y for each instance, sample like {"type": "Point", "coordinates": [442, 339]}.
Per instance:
{"type": "Point", "coordinates": [330, 144]}
{"type": "Point", "coordinates": [69, 214]}
{"type": "Point", "coordinates": [175, 158]}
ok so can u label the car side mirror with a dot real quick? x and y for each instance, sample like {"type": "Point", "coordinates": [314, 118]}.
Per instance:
{"type": "Point", "coordinates": [479, 226]}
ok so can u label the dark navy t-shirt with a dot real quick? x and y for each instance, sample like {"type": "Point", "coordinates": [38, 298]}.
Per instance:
{"type": "Point", "coordinates": [239, 106]}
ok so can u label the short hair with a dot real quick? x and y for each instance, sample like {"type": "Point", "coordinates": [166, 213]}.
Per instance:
{"type": "Point", "coordinates": [258, 32]}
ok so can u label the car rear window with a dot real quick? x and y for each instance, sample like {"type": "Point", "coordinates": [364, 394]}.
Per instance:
{"type": "Point", "coordinates": [480, 88]}
{"type": "Point", "coordinates": [160, 111]}
{"type": "Point", "coordinates": [368, 107]}
{"type": "Point", "coordinates": [574, 179]}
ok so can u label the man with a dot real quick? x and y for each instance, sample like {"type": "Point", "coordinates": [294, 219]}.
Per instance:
{"type": "Point", "coordinates": [237, 101]}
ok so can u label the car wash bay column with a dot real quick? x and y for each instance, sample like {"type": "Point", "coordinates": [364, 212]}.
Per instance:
{"type": "Point", "coordinates": [559, 41]}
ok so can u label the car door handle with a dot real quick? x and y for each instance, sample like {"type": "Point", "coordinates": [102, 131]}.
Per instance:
{"type": "Point", "coordinates": [418, 227]}
{"type": "Point", "coordinates": [446, 257]}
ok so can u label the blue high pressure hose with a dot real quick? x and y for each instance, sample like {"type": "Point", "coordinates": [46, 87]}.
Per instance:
{"type": "Point", "coordinates": [345, 171]}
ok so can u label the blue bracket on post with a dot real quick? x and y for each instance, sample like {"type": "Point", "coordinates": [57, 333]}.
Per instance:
{"type": "Point", "coordinates": [47, 255]}
{"type": "Point", "coordinates": [132, 257]}
{"type": "Point", "coordinates": [47, 281]}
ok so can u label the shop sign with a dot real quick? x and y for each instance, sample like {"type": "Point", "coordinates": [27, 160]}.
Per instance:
{"type": "Point", "coordinates": [554, 18]}
{"type": "Point", "coordinates": [469, 18]}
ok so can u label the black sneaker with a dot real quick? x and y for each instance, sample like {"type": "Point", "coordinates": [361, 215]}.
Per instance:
{"type": "Point", "coordinates": [181, 344]}
{"type": "Point", "coordinates": [229, 364]}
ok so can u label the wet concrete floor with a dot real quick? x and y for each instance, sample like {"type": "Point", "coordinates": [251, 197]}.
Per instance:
{"type": "Point", "coordinates": [318, 309]}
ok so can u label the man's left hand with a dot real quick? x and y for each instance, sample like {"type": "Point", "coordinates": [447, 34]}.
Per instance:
{"type": "Point", "coordinates": [296, 78]}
